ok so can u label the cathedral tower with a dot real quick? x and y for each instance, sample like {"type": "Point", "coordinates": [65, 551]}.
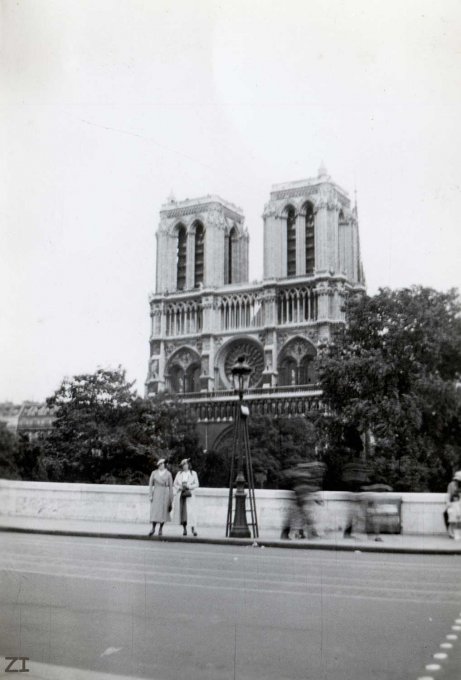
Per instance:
{"type": "Point", "coordinates": [310, 229]}
{"type": "Point", "coordinates": [201, 243]}
{"type": "Point", "coordinates": [205, 313]}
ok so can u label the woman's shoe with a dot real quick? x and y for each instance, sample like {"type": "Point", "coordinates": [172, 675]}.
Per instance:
{"type": "Point", "coordinates": [184, 533]}
{"type": "Point", "coordinates": [194, 533]}
{"type": "Point", "coordinates": [152, 533]}
{"type": "Point", "coordinates": [160, 533]}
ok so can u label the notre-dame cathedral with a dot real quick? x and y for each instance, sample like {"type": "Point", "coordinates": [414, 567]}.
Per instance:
{"type": "Point", "coordinates": [205, 313]}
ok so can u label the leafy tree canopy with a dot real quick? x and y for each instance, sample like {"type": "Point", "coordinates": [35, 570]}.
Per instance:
{"type": "Point", "coordinates": [393, 371]}
{"type": "Point", "coordinates": [8, 454]}
{"type": "Point", "coordinates": [104, 432]}
{"type": "Point", "coordinates": [277, 444]}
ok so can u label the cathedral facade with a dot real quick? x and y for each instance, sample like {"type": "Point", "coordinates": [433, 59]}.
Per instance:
{"type": "Point", "coordinates": [205, 313]}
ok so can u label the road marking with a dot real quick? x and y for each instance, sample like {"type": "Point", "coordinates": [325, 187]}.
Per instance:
{"type": "Point", "coordinates": [441, 656]}
{"type": "Point", "coordinates": [293, 582]}
{"type": "Point", "coordinates": [111, 650]}
{"type": "Point", "coordinates": [456, 628]}
{"type": "Point", "coordinates": [242, 590]}
{"type": "Point", "coordinates": [370, 560]}
{"type": "Point", "coordinates": [301, 577]}
{"type": "Point", "coordinates": [297, 580]}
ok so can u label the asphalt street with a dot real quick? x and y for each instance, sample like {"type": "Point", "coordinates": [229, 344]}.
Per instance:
{"type": "Point", "coordinates": [99, 608]}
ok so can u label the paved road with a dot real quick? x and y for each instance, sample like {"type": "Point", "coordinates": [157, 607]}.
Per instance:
{"type": "Point", "coordinates": [171, 611]}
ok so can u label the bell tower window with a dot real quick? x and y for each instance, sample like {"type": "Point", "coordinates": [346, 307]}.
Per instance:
{"type": "Point", "coordinates": [291, 242]}
{"type": "Point", "coordinates": [231, 252]}
{"type": "Point", "coordinates": [181, 258]}
{"type": "Point", "coordinates": [310, 239]}
{"type": "Point", "coordinates": [199, 255]}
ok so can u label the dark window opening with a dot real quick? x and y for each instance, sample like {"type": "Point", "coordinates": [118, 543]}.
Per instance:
{"type": "Point", "coordinates": [199, 255]}
{"type": "Point", "coordinates": [310, 239]}
{"type": "Point", "coordinates": [291, 242]}
{"type": "Point", "coordinates": [181, 252]}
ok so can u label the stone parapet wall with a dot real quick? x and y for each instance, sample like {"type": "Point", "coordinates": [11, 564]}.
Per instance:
{"type": "Point", "coordinates": [422, 513]}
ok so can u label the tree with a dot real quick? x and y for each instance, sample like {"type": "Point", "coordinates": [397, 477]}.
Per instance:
{"type": "Point", "coordinates": [393, 372]}
{"type": "Point", "coordinates": [8, 454]}
{"type": "Point", "coordinates": [104, 432]}
{"type": "Point", "coordinates": [276, 444]}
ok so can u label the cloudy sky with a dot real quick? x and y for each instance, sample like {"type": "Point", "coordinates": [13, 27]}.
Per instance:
{"type": "Point", "coordinates": [109, 105]}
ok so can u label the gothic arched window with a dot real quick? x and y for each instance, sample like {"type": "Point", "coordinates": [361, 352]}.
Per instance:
{"type": "Point", "coordinates": [231, 253]}
{"type": "Point", "coordinates": [310, 239]}
{"type": "Point", "coordinates": [193, 379]}
{"type": "Point", "coordinates": [181, 252]}
{"type": "Point", "coordinates": [291, 242]}
{"type": "Point", "coordinates": [288, 372]}
{"type": "Point", "coordinates": [199, 254]}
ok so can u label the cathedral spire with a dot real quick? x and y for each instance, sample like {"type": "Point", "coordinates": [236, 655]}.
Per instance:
{"type": "Point", "coordinates": [322, 171]}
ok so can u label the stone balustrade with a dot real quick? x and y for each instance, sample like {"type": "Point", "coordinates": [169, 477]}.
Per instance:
{"type": "Point", "coordinates": [422, 513]}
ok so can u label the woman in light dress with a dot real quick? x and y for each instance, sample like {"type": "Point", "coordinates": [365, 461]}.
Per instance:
{"type": "Point", "coordinates": [185, 484]}
{"type": "Point", "coordinates": [160, 496]}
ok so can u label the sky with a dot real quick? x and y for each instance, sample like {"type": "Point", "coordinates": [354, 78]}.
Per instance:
{"type": "Point", "coordinates": [107, 107]}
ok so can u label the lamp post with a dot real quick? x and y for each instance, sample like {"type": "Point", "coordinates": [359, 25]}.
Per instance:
{"type": "Point", "coordinates": [238, 528]}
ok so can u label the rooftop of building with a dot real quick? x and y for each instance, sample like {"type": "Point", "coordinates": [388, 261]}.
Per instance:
{"type": "Point", "coordinates": [203, 202]}
{"type": "Point", "coordinates": [322, 178]}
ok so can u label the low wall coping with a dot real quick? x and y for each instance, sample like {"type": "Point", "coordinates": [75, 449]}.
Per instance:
{"type": "Point", "coordinates": [79, 488]}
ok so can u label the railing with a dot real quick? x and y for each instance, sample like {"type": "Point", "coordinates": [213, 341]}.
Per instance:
{"type": "Point", "coordinates": [253, 392]}
{"type": "Point", "coordinates": [296, 405]}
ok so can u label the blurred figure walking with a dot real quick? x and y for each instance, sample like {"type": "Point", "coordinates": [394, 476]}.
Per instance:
{"type": "Point", "coordinates": [453, 494]}
{"type": "Point", "coordinates": [305, 480]}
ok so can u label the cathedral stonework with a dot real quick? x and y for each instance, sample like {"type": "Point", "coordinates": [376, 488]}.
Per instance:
{"type": "Point", "coordinates": [205, 313]}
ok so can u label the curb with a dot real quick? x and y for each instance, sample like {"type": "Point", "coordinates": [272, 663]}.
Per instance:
{"type": "Point", "coordinates": [247, 542]}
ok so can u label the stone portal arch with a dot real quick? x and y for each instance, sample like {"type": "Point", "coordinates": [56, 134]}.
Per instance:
{"type": "Point", "coordinates": [183, 371]}
{"type": "Point", "coordinates": [296, 362]}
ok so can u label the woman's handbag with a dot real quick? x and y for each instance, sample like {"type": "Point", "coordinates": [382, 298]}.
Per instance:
{"type": "Point", "coordinates": [185, 493]}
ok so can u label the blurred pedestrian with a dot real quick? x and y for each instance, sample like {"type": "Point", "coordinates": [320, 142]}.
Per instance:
{"type": "Point", "coordinates": [160, 496]}
{"type": "Point", "coordinates": [453, 491]}
{"type": "Point", "coordinates": [300, 512]}
{"type": "Point", "coordinates": [454, 517]}
{"type": "Point", "coordinates": [185, 484]}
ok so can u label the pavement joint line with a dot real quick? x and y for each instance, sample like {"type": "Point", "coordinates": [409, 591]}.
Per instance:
{"type": "Point", "coordinates": [333, 545]}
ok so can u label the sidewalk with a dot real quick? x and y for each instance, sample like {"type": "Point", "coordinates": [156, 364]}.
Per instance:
{"type": "Point", "coordinates": [438, 544]}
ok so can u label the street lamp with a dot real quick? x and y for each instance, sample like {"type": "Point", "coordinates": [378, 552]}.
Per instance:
{"type": "Point", "coordinates": [241, 372]}
{"type": "Point", "coordinates": [239, 528]}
